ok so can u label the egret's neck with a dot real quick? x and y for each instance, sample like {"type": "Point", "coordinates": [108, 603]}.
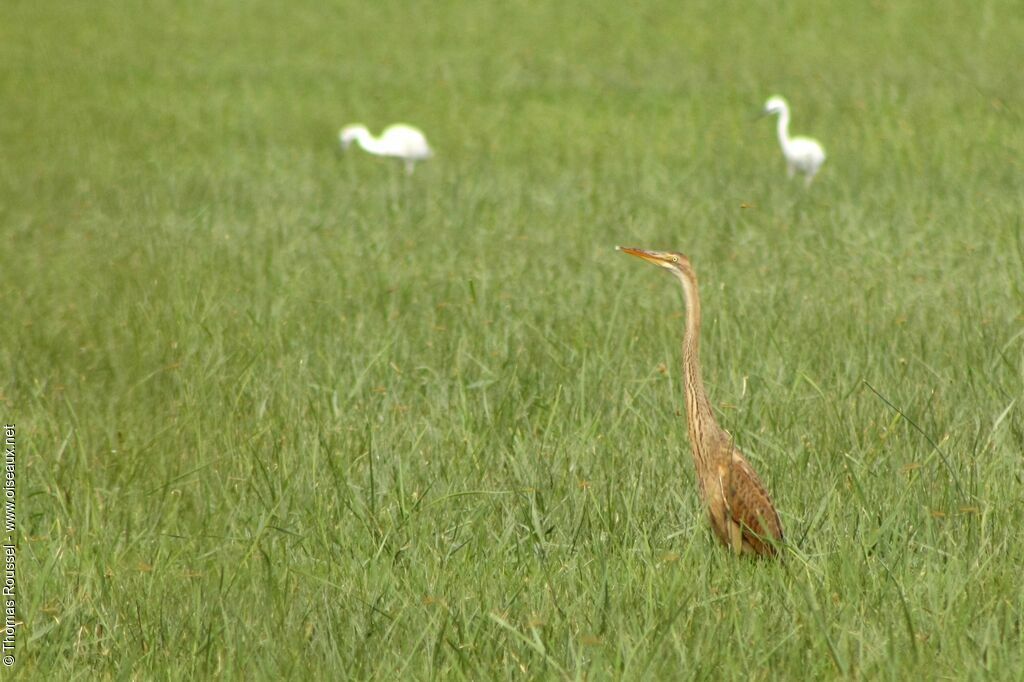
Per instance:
{"type": "Point", "coordinates": [699, 417]}
{"type": "Point", "coordinates": [783, 127]}
{"type": "Point", "coordinates": [367, 141]}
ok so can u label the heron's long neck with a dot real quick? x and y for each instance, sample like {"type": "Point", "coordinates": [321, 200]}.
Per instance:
{"type": "Point", "coordinates": [784, 128]}
{"type": "Point", "coordinates": [368, 142]}
{"type": "Point", "coordinates": [699, 417]}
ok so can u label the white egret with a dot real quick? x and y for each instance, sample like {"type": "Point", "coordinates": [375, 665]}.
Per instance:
{"type": "Point", "coordinates": [802, 153]}
{"type": "Point", "coordinates": [400, 141]}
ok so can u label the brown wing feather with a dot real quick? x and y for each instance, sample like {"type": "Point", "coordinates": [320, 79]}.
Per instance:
{"type": "Point", "coordinates": [751, 507]}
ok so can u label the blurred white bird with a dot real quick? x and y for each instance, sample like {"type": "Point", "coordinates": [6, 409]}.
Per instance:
{"type": "Point", "coordinates": [400, 141]}
{"type": "Point", "coordinates": [802, 153]}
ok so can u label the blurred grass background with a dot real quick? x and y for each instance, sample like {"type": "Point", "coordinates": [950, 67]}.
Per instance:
{"type": "Point", "coordinates": [288, 413]}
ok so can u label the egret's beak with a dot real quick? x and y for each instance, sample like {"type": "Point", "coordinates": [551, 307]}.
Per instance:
{"type": "Point", "coordinates": [761, 114]}
{"type": "Point", "coordinates": [656, 257]}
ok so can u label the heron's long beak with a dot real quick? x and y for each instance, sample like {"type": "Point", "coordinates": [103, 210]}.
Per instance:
{"type": "Point", "coordinates": [655, 257]}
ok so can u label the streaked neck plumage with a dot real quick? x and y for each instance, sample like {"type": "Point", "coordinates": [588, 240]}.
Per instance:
{"type": "Point", "coordinates": [703, 427]}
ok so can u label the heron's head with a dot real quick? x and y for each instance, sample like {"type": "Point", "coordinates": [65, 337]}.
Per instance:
{"type": "Point", "coordinates": [350, 134]}
{"type": "Point", "coordinates": [675, 262]}
{"type": "Point", "coordinates": [774, 105]}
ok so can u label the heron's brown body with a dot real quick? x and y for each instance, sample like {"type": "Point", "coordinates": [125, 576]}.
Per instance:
{"type": "Point", "coordinates": [741, 511]}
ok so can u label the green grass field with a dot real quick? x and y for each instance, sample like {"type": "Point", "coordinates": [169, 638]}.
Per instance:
{"type": "Point", "coordinates": [284, 413]}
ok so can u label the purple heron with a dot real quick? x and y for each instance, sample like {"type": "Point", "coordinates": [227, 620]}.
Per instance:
{"type": "Point", "coordinates": [740, 508]}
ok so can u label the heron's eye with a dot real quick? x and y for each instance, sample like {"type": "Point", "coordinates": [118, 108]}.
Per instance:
{"type": "Point", "coordinates": [675, 259]}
